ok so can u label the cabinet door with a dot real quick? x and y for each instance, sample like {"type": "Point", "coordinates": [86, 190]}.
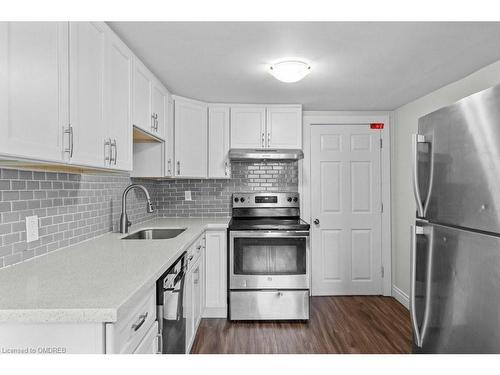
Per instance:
{"type": "Point", "coordinates": [142, 97]}
{"type": "Point", "coordinates": [33, 89]}
{"type": "Point", "coordinates": [215, 275]}
{"type": "Point", "coordinates": [248, 127]}
{"type": "Point", "coordinates": [188, 309]}
{"type": "Point", "coordinates": [118, 104]}
{"type": "Point", "coordinates": [159, 109]}
{"type": "Point", "coordinates": [169, 138]}
{"type": "Point", "coordinates": [190, 139]}
{"type": "Point", "coordinates": [87, 75]}
{"type": "Point", "coordinates": [218, 142]}
{"type": "Point", "coordinates": [149, 344]}
{"type": "Point", "coordinates": [284, 127]}
{"type": "Point", "coordinates": [197, 294]}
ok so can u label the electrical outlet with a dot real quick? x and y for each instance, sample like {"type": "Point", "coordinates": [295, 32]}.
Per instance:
{"type": "Point", "coordinates": [31, 228]}
{"type": "Point", "coordinates": [187, 195]}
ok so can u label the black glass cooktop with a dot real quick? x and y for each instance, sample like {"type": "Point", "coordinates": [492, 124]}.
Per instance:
{"type": "Point", "coordinates": [265, 223]}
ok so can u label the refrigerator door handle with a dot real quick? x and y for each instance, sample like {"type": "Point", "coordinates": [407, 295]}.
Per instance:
{"type": "Point", "coordinates": [419, 335]}
{"type": "Point", "coordinates": [416, 139]}
{"type": "Point", "coordinates": [431, 177]}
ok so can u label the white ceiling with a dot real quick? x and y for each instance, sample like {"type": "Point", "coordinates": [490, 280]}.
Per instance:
{"type": "Point", "coordinates": [355, 66]}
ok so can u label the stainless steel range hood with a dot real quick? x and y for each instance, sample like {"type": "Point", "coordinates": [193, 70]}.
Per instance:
{"type": "Point", "coordinates": [265, 154]}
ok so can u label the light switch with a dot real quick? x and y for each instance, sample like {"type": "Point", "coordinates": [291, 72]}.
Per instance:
{"type": "Point", "coordinates": [187, 195]}
{"type": "Point", "coordinates": [31, 228]}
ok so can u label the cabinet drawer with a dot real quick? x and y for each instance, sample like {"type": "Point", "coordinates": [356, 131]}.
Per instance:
{"type": "Point", "coordinates": [149, 344]}
{"type": "Point", "coordinates": [269, 304]}
{"type": "Point", "coordinates": [132, 328]}
{"type": "Point", "coordinates": [195, 251]}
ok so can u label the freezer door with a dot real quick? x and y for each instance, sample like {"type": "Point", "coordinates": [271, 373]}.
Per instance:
{"type": "Point", "coordinates": [462, 143]}
{"type": "Point", "coordinates": [457, 291]}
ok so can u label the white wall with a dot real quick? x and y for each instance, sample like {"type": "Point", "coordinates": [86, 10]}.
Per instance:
{"type": "Point", "coordinates": [403, 203]}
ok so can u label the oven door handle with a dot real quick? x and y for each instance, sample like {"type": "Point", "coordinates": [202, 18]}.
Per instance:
{"type": "Point", "coordinates": [269, 234]}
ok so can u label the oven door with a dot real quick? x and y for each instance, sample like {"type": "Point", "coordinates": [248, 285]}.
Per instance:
{"type": "Point", "coordinates": [269, 260]}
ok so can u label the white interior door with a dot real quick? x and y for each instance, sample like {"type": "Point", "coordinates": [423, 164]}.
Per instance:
{"type": "Point", "coordinates": [346, 191]}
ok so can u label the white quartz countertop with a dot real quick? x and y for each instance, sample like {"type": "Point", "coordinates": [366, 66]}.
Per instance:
{"type": "Point", "coordinates": [91, 281]}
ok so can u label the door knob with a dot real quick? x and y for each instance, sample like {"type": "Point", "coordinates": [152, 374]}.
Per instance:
{"type": "Point", "coordinates": [316, 221]}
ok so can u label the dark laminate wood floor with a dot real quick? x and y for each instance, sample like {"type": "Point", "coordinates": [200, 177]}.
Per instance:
{"type": "Point", "coordinates": [359, 324]}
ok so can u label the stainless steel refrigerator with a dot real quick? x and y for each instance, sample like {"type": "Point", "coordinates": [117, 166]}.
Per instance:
{"type": "Point", "coordinates": [455, 262]}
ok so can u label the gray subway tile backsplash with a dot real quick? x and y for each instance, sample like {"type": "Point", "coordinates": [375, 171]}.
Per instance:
{"type": "Point", "coordinates": [76, 207]}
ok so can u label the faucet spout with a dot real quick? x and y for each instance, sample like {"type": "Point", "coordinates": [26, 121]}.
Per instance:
{"type": "Point", "coordinates": [124, 222]}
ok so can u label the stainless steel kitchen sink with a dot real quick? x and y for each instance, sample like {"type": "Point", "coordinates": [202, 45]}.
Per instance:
{"type": "Point", "coordinates": [154, 234]}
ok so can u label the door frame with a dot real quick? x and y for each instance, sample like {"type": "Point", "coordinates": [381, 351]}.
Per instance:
{"type": "Point", "coordinates": [311, 118]}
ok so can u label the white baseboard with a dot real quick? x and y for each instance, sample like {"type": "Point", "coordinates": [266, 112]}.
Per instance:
{"type": "Point", "coordinates": [401, 296]}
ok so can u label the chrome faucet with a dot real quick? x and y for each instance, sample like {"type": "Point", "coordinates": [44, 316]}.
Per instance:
{"type": "Point", "coordinates": [124, 223]}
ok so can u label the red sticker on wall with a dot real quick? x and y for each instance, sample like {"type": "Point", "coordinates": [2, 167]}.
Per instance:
{"type": "Point", "coordinates": [377, 125]}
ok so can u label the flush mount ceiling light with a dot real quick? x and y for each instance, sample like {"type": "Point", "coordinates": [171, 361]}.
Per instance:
{"type": "Point", "coordinates": [290, 71]}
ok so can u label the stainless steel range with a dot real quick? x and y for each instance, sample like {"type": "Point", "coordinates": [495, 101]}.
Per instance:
{"type": "Point", "coordinates": [268, 258]}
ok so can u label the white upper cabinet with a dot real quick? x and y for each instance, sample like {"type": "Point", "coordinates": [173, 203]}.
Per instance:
{"type": "Point", "coordinates": [190, 138]}
{"type": "Point", "coordinates": [118, 104]}
{"type": "Point", "coordinates": [266, 126]}
{"type": "Point", "coordinates": [248, 127]}
{"type": "Point", "coordinates": [284, 127]}
{"type": "Point", "coordinates": [142, 97]}
{"type": "Point", "coordinates": [33, 89]}
{"type": "Point", "coordinates": [218, 142]}
{"type": "Point", "coordinates": [159, 102]}
{"type": "Point", "coordinates": [87, 80]}
{"type": "Point", "coordinates": [169, 137]}
{"type": "Point", "coordinates": [150, 100]}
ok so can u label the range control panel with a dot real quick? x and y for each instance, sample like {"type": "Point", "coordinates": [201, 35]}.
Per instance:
{"type": "Point", "coordinates": [282, 199]}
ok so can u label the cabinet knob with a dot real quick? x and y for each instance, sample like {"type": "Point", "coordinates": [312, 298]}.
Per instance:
{"type": "Point", "coordinates": [316, 221]}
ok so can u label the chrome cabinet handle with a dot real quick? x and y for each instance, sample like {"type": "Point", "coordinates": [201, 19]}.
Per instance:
{"type": "Point", "coordinates": [140, 321]}
{"type": "Point", "coordinates": [107, 151]}
{"type": "Point", "coordinates": [269, 139]}
{"type": "Point", "coordinates": [113, 145]}
{"type": "Point", "coordinates": [316, 221]}
{"type": "Point", "coordinates": [262, 140]}
{"type": "Point", "coordinates": [225, 168]}
{"type": "Point", "coordinates": [416, 139]}
{"type": "Point", "coordinates": [178, 167]}
{"type": "Point", "coordinates": [71, 135]}
{"type": "Point", "coordinates": [154, 120]}
{"type": "Point", "coordinates": [169, 167]}
{"type": "Point", "coordinates": [69, 132]}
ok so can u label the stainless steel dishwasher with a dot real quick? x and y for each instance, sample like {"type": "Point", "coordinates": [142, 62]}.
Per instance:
{"type": "Point", "coordinates": [169, 301]}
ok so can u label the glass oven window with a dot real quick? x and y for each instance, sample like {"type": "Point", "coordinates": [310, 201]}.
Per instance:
{"type": "Point", "coordinates": [269, 256]}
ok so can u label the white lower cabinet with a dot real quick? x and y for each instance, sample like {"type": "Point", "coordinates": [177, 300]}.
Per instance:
{"type": "Point", "coordinates": [136, 328]}
{"type": "Point", "coordinates": [215, 275]}
{"type": "Point", "coordinates": [149, 344]}
{"type": "Point", "coordinates": [194, 291]}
